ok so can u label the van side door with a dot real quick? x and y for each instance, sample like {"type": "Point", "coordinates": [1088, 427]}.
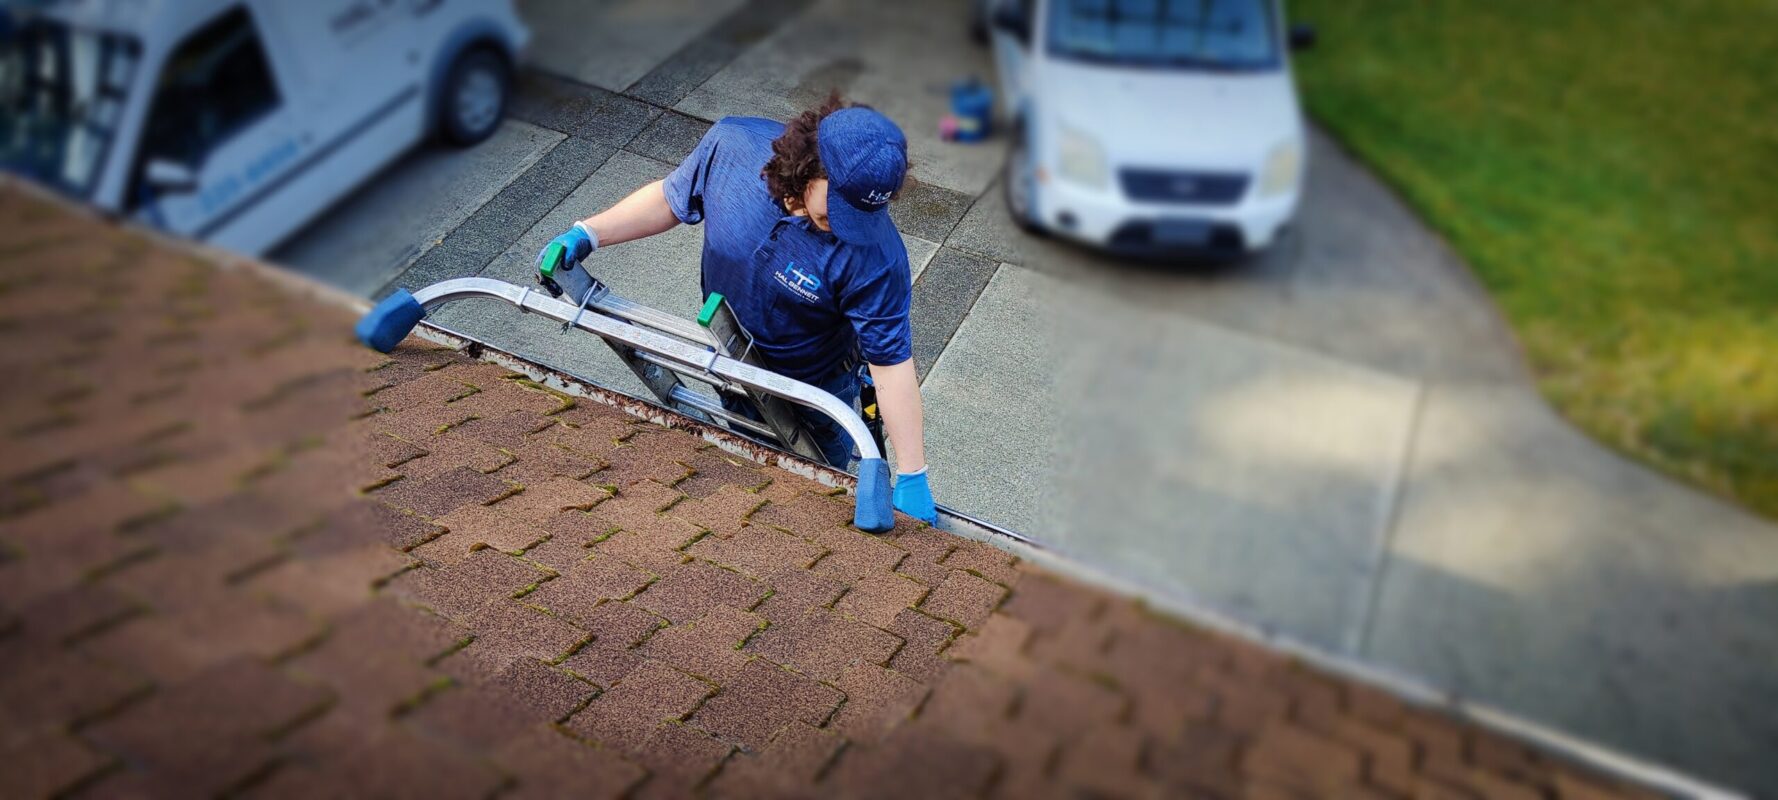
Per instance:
{"type": "Point", "coordinates": [218, 134]}
{"type": "Point", "coordinates": [353, 67]}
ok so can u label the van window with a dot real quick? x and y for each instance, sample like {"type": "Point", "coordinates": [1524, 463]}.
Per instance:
{"type": "Point", "coordinates": [61, 100]}
{"type": "Point", "coordinates": [217, 83]}
{"type": "Point", "coordinates": [1188, 34]}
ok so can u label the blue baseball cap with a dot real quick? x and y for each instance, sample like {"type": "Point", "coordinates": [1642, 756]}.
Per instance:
{"type": "Point", "coordinates": [866, 157]}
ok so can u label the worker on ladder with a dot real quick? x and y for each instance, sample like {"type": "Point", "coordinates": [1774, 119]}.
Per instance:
{"type": "Point", "coordinates": [798, 238]}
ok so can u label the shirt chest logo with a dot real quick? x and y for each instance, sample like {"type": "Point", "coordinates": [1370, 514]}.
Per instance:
{"type": "Point", "coordinates": [804, 283]}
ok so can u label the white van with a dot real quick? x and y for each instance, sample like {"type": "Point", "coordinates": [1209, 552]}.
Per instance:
{"type": "Point", "coordinates": [1151, 127]}
{"type": "Point", "coordinates": [237, 121]}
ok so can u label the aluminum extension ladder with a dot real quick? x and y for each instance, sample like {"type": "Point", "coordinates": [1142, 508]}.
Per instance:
{"type": "Point", "coordinates": [664, 350]}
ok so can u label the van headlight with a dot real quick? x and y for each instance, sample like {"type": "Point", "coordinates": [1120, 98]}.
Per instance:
{"type": "Point", "coordinates": [1079, 158]}
{"type": "Point", "coordinates": [1283, 167]}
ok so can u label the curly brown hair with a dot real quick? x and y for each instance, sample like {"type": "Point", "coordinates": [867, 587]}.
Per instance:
{"type": "Point", "coordinates": [796, 160]}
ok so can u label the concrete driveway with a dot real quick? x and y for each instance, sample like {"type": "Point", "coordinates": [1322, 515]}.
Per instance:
{"type": "Point", "coordinates": [1337, 440]}
{"type": "Point", "coordinates": [1340, 442]}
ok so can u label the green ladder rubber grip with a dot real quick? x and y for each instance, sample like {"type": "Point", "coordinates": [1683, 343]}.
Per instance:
{"type": "Point", "coordinates": [708, 312]}
{"type": "Point", "coordinates": [553, 255]}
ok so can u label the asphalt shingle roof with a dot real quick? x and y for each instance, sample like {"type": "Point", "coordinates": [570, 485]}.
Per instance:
{"type": "Point", "coordinates": [241, 554]}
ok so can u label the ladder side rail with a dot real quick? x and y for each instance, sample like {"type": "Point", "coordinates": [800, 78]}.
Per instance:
{"type": "Point", "coordinates": [629, 311]}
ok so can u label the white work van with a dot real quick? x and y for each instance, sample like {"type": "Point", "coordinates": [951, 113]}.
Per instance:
{"type": "Point", "coordinates": [237, 121]}
{"type": "Point", "coordinates": [1151, 127]}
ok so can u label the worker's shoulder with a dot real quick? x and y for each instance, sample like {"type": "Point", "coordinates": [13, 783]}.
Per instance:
{"type": "Point", "coordinates": [741, 141]}
{"type": "Point", "coordinates": [890, 254]}
{"type": "Point", "coordinates": [750, 127]}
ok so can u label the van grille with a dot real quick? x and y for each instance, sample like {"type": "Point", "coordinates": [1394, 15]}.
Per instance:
{"type": "Point", "coordinates": [1173, 186]}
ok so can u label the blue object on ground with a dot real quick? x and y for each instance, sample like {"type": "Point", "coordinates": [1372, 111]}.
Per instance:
{"type": "Point", "coordinates": [973, 105]}
{"type": "Point", "coordinates": [913, 496]}
{"type": "Point", "coordinates": [390, 322]}
{"type": "Point", "coordinates": [873, 513]}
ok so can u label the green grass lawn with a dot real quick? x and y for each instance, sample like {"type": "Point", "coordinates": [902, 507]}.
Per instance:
{"type": "Point", "coordinates": [1610, 170]}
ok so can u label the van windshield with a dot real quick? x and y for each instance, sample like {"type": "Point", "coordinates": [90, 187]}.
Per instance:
{"type": "Point", "coordinates": [1186, 34]}
{"type": "Point", "coordinates": [61, 98]}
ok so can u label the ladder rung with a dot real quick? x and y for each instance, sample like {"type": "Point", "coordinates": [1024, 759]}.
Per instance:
{"type": "Point", "coordinates": [687, 397]}
{"type": "Point", "coordinates": [681, 369]}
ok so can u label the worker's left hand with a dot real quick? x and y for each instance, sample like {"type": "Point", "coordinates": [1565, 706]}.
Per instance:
{"type": "Point", "coordinates": [577, 243]}
{"type": "Point", "coordinates": [913, 497]}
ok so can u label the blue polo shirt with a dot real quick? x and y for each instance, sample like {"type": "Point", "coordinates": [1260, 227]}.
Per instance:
{"type": "Point", "coordinates": [810, 300]}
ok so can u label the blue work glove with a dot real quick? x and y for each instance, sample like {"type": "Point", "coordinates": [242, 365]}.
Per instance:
{"type": "Point", "coordinates": [578, 243]}
{"type": "Point", "coordinates": [913, 497]}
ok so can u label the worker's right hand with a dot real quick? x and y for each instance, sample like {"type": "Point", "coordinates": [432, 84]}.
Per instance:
{"type": "Point", "coordinates": [913, 497]}
{"type": "Point", "coordinates": [577, 243]}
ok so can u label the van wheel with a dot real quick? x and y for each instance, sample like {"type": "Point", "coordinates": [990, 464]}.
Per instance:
{"type": "Point", "coordinates": [475, 94]}
{"type": "Point", "coordinates": [1020, 185]}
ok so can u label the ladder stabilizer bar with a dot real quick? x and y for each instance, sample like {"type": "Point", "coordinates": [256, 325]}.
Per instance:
{"type": "Point", "coordinates": [394, 318]}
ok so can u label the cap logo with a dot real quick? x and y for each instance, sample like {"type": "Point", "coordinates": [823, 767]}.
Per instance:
{"type": "Point", "coordinates": [877, 197]}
